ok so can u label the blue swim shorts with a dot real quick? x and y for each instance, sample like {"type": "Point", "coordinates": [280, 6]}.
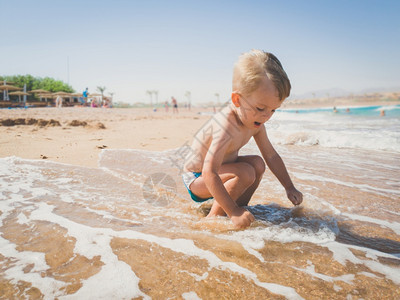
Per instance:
{"type": "Point", "coordinates": [188, 179]}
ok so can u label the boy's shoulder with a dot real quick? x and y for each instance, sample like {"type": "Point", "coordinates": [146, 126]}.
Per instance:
{"type": "Point", "coordinates": [227, 118]}
{"type": "Point", "coordinates": [226, 124]}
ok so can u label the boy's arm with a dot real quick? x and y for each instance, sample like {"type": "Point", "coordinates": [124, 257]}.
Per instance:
{"type": "Point", "coordinates": [212, 162]}
{"type": "Point", "coordinates": [277, 166]}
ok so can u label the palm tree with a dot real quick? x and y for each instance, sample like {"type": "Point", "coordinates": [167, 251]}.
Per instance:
{"type": "Point", "coordinates": [188, 95]}
{"type": "Point", "coordinates": [111, 99]}
{"type": "Point", "coordinates": [101, 89]}
{"type": "Point", "coordinates": [155, 92]}
{"type": "Point", "coordinates": [217, 95]}
{"type": "Point", "coordinates": [148, 92]}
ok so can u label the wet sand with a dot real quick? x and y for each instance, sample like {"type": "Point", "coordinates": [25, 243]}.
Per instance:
{"type": "Point", "coordinates": [120, 240]}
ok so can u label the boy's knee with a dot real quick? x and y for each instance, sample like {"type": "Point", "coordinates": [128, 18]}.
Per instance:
{"type": "Point", "coordinates": [247, 174]}
{"type": "Point", "coordinates": [259, 166]}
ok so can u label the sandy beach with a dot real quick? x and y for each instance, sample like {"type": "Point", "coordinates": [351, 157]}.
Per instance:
{"type": "Point", "coordinates": [77, 134]}
{"type": "Point", "coordinates": [94, 183]}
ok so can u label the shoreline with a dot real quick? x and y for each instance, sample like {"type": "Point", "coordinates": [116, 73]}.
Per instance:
{"type": "Point", "coordinates": [338, 103]}
{"type": "Point", "coordinates": [329, 108]}
{"type": "Point", "coordinates": [76, 135]}
{"type": "Point", "coordinates": [206, 107]}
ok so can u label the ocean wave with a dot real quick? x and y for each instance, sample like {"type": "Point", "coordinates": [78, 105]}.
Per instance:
{"type": "Point", "coordinates": [388, 107]}
{"type": "Point", "coordinates": [332, 131]}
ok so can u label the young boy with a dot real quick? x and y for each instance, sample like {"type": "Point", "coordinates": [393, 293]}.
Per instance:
{"type": "Point", "coordinates": [213, 168]}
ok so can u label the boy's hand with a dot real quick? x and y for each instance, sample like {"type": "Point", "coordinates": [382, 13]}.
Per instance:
{"type": "Point", "coordinates": [242, 218]}
{"type": "Point", "coordinates": [294, 196]}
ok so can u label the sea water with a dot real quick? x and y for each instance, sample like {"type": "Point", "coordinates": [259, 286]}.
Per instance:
{"type": "Point", "coordinates": [129, 229]}
{"type": "Point", "coordinates": [360, 128]}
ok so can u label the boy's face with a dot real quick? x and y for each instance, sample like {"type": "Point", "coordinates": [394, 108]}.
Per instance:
{"type": "Point", "coordinates": [258, 107]}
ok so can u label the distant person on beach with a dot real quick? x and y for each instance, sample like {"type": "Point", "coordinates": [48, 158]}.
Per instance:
{"type": "Point", "coordinates": [93, 102]}
{"type": "Point", "coordinates": [174, 105]}
{"type": "Point", "coordinates": [334, 109]}
{"type": "Point", "coordinates": [382, 114]}
{"type": "Point", "coordinates": [59, 101]}
{"type": "Point", "coordinates": [166, 106]}
{"type": "Point", "coordinates": [213, 167]}
{"type": "Point", "coordinates": [85, 95]}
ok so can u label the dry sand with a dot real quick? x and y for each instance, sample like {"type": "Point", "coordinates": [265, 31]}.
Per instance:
{"type": "Point", "coordinates": [76, 135]}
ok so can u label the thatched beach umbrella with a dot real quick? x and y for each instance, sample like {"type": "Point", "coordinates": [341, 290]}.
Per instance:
{"type": "Point", "coordinates": [38, 92]}
{"type": "Point", "coordinates": [19, 94]}
{"type": "Point", "coordinates": [45, 96]}
{"type": "Point", "coordinates": [62, 95]}
{"type": "Point", "coordinates": [9, 87]}
{"type": "Point", "coordinates": [6, 88]}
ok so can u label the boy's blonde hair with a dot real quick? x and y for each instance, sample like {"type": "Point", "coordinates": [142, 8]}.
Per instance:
{"type": "Point", "coordinates": [252, 66]}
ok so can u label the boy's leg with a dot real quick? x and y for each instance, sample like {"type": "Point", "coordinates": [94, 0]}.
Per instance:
{"type": "Point", "coordinates": [237, 178]}
{"type": "Point", "coordinates": [259, 166]}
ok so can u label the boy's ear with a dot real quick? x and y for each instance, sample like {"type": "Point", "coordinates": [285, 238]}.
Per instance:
{"type": "Point", "coordinates": [235, 99]}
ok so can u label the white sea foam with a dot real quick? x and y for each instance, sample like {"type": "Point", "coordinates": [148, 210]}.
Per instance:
{"type": "Point", "coordinates": [388, 107]}
{"type": "Point", "coordinates": [280, 225]}
{"type": "Point", "coordinates": [190, 296]}
{"type": "Point", "coordinates": [48, 286]}
{"type": "Point", "coordinates": [93, 241]}
{"type": "Point", "coordinates": [35, 187]}
{"type": "Point", "coordinates": [115, 279]}
{"type": "Point", "coordinates": [335, 131]}
{"type": "Point", "coordinates": [392, 225]}
{"type": "Point", "coordinates": [195, 276]}
{"type": "Point", "coordinates": [362, 187]}
{"type": "Point", "coordinates": [310, 269]}
{"type": "Point", "coordinates": [368, 274]}
{"type": "Point", "coordinates": [342, 254]}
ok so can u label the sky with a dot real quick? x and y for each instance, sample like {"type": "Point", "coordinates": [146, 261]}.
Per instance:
{"type": "Point", "coordinates": [132, 47]}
